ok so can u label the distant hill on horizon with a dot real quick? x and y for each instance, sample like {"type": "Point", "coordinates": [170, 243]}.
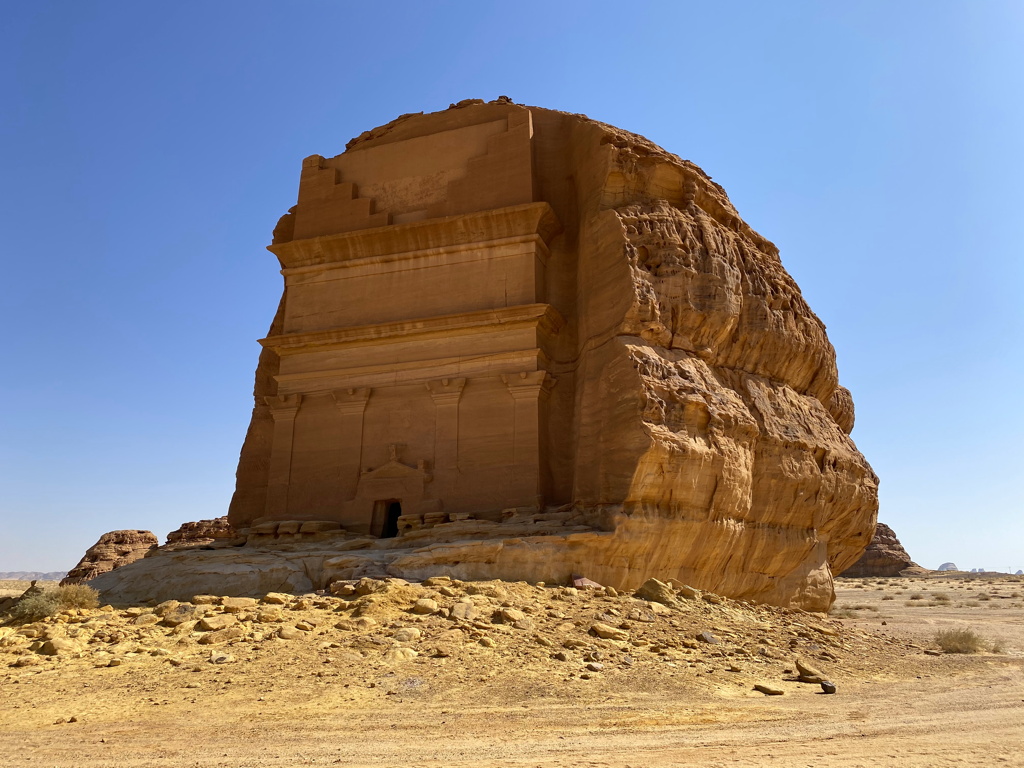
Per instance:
{"type": "Point", "coordinates": [30, 575]}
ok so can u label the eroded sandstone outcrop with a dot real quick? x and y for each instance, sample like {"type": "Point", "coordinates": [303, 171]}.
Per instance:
{"type": "Point", "coordinates": [113, 550]}
{"type": "Point", "coordinates": [517, 343]}
{"type": "Point", "coordinates": [201, 532]}
{"type": "Point", "coordinates": [884, 556]}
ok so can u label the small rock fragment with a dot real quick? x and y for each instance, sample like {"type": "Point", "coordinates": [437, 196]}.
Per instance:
{"type": "Point", "coordinates": [215, 622]}
{"type": "Point", "coordinates": [828, 686]}
{"type": "Point", "coordinates": [463, 610]}
{"type": "Point", "coordinates": [656, 592]}
{"type": "Point", "coordinates": [606, 632]}
{"type": "Point", "coordinates": [424, 606]}
{"type": "Point", "coordinates": [407, 634]}
{"type": "Point", "coordinates": [237, 604]}
{"type": "Point", "coordinates": [768, 691]}
{"type": "Point", "coordinates": [277, 598]}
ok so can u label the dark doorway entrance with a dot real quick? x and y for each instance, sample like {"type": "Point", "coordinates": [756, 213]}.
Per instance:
{"type": "Point", "coordinates": [385, 518]}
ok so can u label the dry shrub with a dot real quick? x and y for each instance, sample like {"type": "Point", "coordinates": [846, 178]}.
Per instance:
{"type": "Point", "coordinates": [959, 641]}
{"type": "Point", "coordinates": [888, 597]}
{"type": "Point", "coordinates": [77, 596]}
{"type": "Point", "coordinates": [39, 606]}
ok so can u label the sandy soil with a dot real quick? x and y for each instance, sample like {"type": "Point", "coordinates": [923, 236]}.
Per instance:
{"type": "Point", "coordinates": [485, 692]}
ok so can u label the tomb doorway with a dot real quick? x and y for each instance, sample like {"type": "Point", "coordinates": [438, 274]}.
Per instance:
{"type": "Point", "coordinates": [385, 518]}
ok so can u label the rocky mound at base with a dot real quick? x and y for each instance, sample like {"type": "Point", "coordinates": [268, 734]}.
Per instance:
{"type": "Point", "coordinates": [451, 627]}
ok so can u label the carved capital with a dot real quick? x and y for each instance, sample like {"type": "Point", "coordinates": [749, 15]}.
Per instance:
{"type": "Point", "coordinates": [446, 391]}
{"type": "Point", "coordinates": [527, 384]}
{"type": "Point", "coordinates": [283, 407]}
{"type": "Point", "coordinates": [351, 400]}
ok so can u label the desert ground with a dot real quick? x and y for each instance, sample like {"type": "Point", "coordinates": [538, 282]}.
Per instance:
{"type": "Point", "coordinates": [517, 675]}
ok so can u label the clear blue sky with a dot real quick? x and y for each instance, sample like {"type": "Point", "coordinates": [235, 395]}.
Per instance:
{"type": "Point", "coordinates": [147, 150]}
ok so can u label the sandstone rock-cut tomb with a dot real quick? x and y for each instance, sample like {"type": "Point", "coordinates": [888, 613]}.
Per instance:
{"type": "Point", "coordinates": [518, 343]}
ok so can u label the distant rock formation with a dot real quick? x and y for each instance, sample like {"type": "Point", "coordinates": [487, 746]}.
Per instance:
{"type": "Point", "coordinates": [885, 556]}
{"type": "Point", "coordinates": [200, 532]}
{"type": "Point", "coordinates": [113, 550]}
{"type": "Point", "coordinates": [948, 567]}
{"type": "Point", "coordinates": [32, 575]}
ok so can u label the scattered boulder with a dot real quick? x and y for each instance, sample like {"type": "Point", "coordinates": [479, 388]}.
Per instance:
{"type": "Point", "coordinates": [951, 567]}
{"type": "Point", "coordinates": [222, 636]}
{"type": "Point", "coordinates": [58, 645]}
{"type": "Point", "coordinates": [425, 606]}
{"type": "Point", "coordinates": [809, 674]}
{"type": "Point", "coordinates": [768, 690]}
{"type": "Point", "coordinates": [656, 592]}
{"type": "Point", "coordinates": [463, 610]}
{"type": "Point", "coordinates": [215, 622]}
{"type": "Point", "coordinates": [606, 632]}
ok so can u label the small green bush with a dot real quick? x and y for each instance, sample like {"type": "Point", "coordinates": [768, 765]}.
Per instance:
{"type": "Point", "coordinates": [51, 602]}
{"type": "Point", "coordinates": [35, 607]}
{"type": "Point", "coordinates": [959, 641]}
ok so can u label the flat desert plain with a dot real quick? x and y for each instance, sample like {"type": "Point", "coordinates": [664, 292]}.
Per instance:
{"type": "Point", "coordinates": [485, 674]}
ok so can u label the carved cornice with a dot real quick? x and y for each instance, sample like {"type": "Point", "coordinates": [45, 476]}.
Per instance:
{"type": "Point", "coordinates": [543, 316]}
{"type": "Point", "coordinates": [465, 229]}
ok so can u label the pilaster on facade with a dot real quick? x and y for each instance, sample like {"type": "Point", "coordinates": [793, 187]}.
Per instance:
{"type": "Point", "coordinates": [529, 390]}
{"type": "Point", "coordinates": [446, 391]}
{"type": "Point", "coordinates": [283, 409]}
{"type": "Point", "coordinates": [351, 403]}
{"type": "Point", "coordinates": [528, 384]}
{"type": "Point", "coordinates": [351, 400]}
{"type": "Point", "coordinates": [446, 394]}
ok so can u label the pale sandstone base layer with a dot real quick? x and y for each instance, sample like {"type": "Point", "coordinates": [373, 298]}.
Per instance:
{"type": "Point", "coordinates": [635, 551]}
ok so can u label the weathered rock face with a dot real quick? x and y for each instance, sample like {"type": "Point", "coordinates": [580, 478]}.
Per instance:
{"type": "Point", "coordinates": [517, 343]}
{"type": "Point", "coordinates": [884, 556]}
{"type": "Point", "coordinates": [201, 532]}
{"type": "Point", "coordinates": [113, 550]}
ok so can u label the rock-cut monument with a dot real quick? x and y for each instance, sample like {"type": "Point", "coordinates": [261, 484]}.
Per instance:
{"type": "Point", "coordinates": [518, 343]}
